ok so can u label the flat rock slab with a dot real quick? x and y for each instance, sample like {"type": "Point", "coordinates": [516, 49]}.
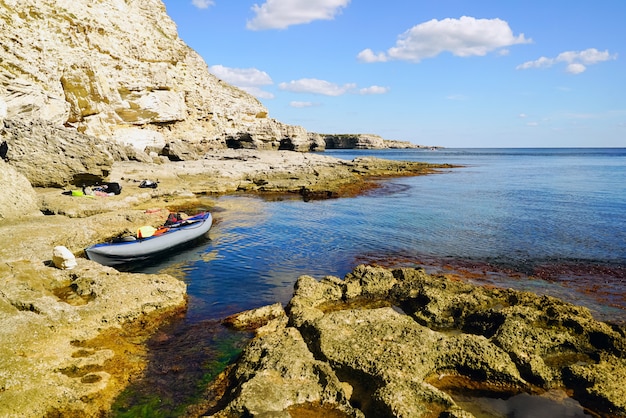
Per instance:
{"type": "Point", "coordinates": [65, 335]}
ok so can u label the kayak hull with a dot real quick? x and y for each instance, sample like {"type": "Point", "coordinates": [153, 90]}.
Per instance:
{"type": "Point", "coordinates": [139, 250]}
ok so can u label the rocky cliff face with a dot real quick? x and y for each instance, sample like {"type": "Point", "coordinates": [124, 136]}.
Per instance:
{"type": "Point", "coordinates": [363, 141]}
{"type": "Point", "coordinates": [117, 70]}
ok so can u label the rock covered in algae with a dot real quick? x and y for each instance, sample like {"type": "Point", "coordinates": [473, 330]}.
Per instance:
{"type": "Point", "coordinates": [402, 343]}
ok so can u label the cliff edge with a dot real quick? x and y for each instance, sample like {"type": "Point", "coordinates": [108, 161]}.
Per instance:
{"type": "Point", "coordinates": [117, 70]}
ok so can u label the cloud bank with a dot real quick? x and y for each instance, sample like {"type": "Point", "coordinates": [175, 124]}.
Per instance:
{"type": "Point", "coordinates": [280, 14]}
{"type": "Point", "coordinates": [374, 90]}
{"type": "Point", "coordinates": [316, 86]}
{"type": "Point", "coordinates": [462, 37]}
{"type": "Point", "coordinates": [576, 61]}
{"type": "Point", "coordinates": [247, 79]}
{"type": "Point", "coordinates": [252, 80]}
{"type": "Point", "coordinates": [302, 104]}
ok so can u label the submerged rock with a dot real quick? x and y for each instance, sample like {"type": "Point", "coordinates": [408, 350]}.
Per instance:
{"type": "Point", "coordinates": [402, 343]}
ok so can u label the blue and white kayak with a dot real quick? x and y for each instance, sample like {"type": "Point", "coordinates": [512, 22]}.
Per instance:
{"type": "Point", "coordinates": [140, 249]}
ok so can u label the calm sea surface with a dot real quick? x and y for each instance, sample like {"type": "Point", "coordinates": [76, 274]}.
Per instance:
{"type": "Point", "coordinates": [551, 221]}
{"type": "Point", "coordinates": [529, 211]}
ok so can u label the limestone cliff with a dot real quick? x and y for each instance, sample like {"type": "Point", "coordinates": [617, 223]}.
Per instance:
{"type": "Point", "coordinates": [363, 141]}
{"type": "Point", "coordinates": [117, 70]}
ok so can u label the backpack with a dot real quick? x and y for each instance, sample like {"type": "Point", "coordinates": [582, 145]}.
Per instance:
{"type": "Point", "coordinates": [173, 218]}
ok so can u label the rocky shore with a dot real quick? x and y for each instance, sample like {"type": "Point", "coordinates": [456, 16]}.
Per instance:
{"type": "Point", "coordinates": [70, 340]}
{"type": "Point", "coordinates": [380, 342]}
{"type": "Point", "coordinates": [402, 343]}
{"type": "Point", "coordinates": [106, 91]}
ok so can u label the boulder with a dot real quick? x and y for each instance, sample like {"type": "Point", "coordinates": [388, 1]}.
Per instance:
{"type": "Point", "coordinates": [63, 258]}
{"type": "Point", "coordinates": [256, 318]}
{"type": "Point", "coordinates": [181, 151]}
{"type": "Point", "coordinates": [277, 373]}
{"type": "Point", "coordinates": [18, 198]}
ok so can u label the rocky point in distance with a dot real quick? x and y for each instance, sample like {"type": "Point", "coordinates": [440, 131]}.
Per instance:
{"type": "Point", "coordinates": [107, 91]}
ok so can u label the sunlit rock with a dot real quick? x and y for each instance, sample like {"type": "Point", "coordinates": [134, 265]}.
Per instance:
{"type": "Point", "coordinates": [96, 66]}
{"type": "Point", "coordinates": [63, 258]}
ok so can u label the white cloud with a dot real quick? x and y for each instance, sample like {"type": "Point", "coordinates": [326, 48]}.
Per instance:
{"type": "Point", "coordinates": [367, 55]}
{"type": "Point", "coordinates": [247, 79]}
{"type": "Point", "coordinates": [241, 76]}
{"type": "Point", "coordinates": [280, 14]}
{"type": "Point", "coordinates": [588, 56]}
{"type": "Point", "coordinates": [374, 90]}
{"type": "Point", "coordinates": [301, 104]}
{"type": "Point", "coordinates": [462, 37]}
{"type": "Point", "coordinates": [523, 115]}
{"type": "Point", "coordinates": [202, 4]}
{"type": "Point", "coordinates": [575, 68]}
{"type": "Point", "coordinates": [542, 62]}
{"type": "Point", "coordinates": [313, 85]}
{"type": "Point", "coordinates": [577, 61]}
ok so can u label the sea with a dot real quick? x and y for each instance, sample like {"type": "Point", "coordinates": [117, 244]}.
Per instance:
{"type": "Point", "coordinates": [547, 220]}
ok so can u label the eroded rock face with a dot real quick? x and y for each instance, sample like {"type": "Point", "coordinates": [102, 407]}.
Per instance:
{"type": "Point", "coordinates": [402, 343]}
{"type": "Point", "coordinates": [362, 141]}
{"type": "Point", "coordinates": [356, 141]}
{"type": "Point", "coordinates": [50, 156]}
{"type": "Point", "coordinates": [117, 70]}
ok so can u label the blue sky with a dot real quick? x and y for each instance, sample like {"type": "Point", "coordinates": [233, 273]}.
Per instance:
{"type": "Point", "coordinates": [453, 73]}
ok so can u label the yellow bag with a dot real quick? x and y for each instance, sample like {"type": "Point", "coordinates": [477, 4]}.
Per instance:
{"type": "Point", "coordinates": [145, 231]}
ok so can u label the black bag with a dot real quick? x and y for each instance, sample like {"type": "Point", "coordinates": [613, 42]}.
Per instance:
{"type": "Point", "coordinates": [114, 188]}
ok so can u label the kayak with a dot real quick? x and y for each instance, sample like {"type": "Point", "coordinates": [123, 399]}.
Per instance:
{"type": "Point", "coordinates": [132, 249]}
